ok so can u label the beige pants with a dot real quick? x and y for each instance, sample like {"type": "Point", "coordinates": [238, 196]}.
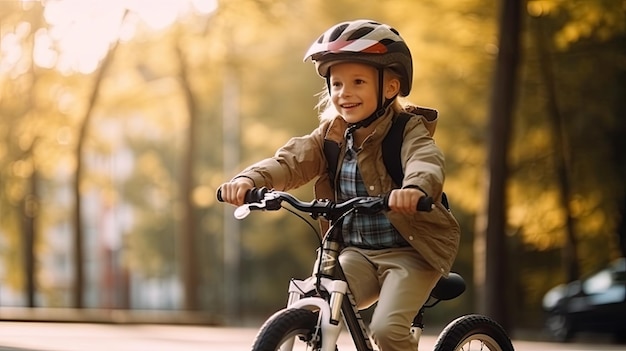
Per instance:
{"type": "Point", "coordinates": [400, 280]}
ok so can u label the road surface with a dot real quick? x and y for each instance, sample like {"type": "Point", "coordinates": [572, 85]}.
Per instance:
{"type": "Point", "coordinates": [41, 336]}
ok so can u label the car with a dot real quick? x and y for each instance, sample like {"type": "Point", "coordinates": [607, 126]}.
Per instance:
{"type": "Point", "coordinates": [594, 304]}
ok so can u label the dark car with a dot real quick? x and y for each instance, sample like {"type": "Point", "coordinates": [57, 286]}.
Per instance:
{"type": "Point", "coordinates": [594, 304]}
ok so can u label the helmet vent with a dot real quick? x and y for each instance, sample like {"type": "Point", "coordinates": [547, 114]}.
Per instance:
{"type": "Point", "coordinates": [387, 42]}
{"type": "Point", "coordinates": [360, 33]}
{"type": "Point", "coordinates": [337, 32]}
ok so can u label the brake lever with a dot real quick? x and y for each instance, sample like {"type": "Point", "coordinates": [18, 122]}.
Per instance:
{"type": "Point", "coordinates": [271, 202]}
{"type": "Point", "coordinates": [243, 211]}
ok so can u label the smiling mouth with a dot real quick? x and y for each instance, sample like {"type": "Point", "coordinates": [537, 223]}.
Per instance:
{"type": "Point", "coordinates": [348, 106]}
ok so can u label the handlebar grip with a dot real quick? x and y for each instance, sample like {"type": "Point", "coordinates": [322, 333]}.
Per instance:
{"type": "Point", "coordinates": [252, 195]}
{"type": "Point", "coordinates": [255, 195]}
{"type": "Point", "coordinates": [425, 204]}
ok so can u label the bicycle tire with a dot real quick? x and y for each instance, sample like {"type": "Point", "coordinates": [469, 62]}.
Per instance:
{"type": "Point", "coordinates": [284, 325]}
{"type": "Point", "coordinates": [473, 332]}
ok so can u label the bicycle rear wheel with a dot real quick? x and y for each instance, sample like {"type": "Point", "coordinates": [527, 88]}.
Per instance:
{"type": "Point", "coordinates": [288, 325]}
{"type": "Point", "coordinates": [473, 332]}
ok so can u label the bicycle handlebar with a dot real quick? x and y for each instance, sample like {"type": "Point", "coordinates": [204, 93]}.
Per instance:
{"type": "Point", "coordinates": [270, 200]}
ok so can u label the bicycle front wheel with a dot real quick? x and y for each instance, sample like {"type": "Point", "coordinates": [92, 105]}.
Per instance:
{"type": "Point", "coordinates": [285, 326]}
{"type": "Point", "coordinates": [473, 332]}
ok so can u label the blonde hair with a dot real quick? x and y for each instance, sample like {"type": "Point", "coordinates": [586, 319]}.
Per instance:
{"type": "Point", "coordinates": [327, 111]}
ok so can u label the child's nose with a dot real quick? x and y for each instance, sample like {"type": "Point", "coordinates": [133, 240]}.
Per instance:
{"type": "Point", "coordinates": [344, 91]}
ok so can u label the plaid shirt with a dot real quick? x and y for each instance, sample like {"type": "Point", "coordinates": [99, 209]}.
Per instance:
{"type": "Point", "coordinates": [364, 231]}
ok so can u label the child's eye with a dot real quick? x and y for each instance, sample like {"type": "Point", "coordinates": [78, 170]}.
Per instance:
{"type": "Point", "coordinates": [359, 81]}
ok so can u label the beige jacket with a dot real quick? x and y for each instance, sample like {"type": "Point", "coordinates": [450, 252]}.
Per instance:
{"type": "Point", "coordinates": [435, 235]}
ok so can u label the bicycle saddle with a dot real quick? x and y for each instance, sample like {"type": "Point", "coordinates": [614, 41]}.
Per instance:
{"type": "Point", "coordinates": [448, 288]}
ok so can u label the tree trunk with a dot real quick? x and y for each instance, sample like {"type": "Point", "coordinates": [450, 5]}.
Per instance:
{"type": "Point", "coordinates": [79, 275]}
{"type": "Point", "coordinates": [30, 203]}
{"type": "Point", "coordinates": [618, 156]}
{"type": "Point", "coordinates": [561, 151]}
{"type": "Point", "coordinates": [500, 116]}
{"type": "Point", "coordinates": [188, 256]}
{"type": "Point", "coordinates": [30, 208]}
{"type": "Point", "coordinates": [232, 229]}
{"type": "Point", "coordinates": [621, 227]}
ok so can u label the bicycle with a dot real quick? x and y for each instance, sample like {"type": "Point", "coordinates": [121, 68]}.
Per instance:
{"type": "Point", "coordinates": [316, 305]}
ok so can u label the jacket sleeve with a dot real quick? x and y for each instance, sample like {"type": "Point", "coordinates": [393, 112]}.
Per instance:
{"type": "Point", "coordinates": [422, 159]}
{"type": "Point", "coordinates": [296, 163]}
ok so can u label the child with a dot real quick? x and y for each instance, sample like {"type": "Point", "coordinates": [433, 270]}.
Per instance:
{"type": "Point", "coordinates": [398, 256]}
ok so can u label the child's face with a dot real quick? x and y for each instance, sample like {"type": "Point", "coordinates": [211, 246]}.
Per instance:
{"type": "Point", "coordinates": [354, 90]}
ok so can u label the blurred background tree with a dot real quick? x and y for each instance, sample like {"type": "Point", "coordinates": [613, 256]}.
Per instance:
{"type": "Point", "coordinates": [153, 236]}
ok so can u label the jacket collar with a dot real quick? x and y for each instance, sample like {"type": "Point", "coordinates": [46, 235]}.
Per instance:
{"type": "Point", "coordinates": [337, 128]}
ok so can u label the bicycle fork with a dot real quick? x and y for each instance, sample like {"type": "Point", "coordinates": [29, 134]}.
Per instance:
{"type": "Point", "coordinates": [329, 317]}
{"type": "Point", "coordinates": [308, 294]}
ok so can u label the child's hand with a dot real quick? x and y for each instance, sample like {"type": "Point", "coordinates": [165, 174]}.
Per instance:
{"type": "Point", "coordinates": [234, 192]}
{"type": "Point", "coordinates": [405, 200]}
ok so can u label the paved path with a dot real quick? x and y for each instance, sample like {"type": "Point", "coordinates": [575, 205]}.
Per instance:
{"type": "Point", "coordinates": [41, 336]}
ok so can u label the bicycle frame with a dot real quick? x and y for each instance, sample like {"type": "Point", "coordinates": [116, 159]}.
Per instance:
{"type": "Point", "coordinates": [328, 278]}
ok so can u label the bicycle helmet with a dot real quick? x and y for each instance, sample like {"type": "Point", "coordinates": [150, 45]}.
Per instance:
{"type": "Point", "coordinates": [364, 41]}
